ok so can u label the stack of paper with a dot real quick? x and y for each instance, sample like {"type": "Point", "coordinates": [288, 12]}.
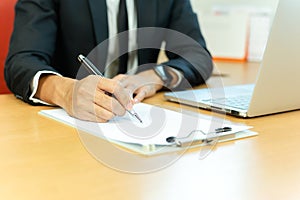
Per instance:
{"type": "Point", "coordinates": [158, 125]}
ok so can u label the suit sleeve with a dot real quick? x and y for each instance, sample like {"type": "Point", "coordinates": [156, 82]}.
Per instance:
{"type": "Point", "coordinates": [188, 53]}
{"type": "Point", "coordinates": [32, 44]}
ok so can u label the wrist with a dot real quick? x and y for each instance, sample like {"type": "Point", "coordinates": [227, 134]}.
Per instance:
{"type": "Point", "coordinates": [55, 90]}
{"type": "Point", "coordinates": [167, 75]}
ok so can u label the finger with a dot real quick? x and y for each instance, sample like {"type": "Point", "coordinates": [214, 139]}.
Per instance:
{"type": "Point", "coordinates": [120, 77]}
{"type": "Point", "coordinates": [119, 92]}
{"type": "Point", "coordinates": [93, 118]}
{"type": "Point", "coordinates": [132, 87]}
{"type": "Point", "coordinates": [103, 114]}
{"type": "Point", "coordinates": [98, 114]}
{"type": "Point", "coordinates": [134, 84]}
{"type": "Point", "coordinates": [144, 92]}
{"type": "Point", "coordinates": [140, 95]}
{"type": "Point", "coordinates": [109, 103]}
{"type": "Point", "coordinates": [89, 116]}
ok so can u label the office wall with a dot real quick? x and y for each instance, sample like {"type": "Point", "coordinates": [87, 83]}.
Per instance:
{"type": "Point", "coordinates": [205, 5]}
{"type": "Point", "coordinates": [238, 35]}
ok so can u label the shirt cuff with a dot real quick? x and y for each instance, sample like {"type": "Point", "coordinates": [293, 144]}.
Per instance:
{"type": "Point", "coordinates": [35, 84]}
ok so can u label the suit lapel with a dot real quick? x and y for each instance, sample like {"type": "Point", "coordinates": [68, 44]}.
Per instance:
{"type": "Point", "coordinates": [98, 10]}
{"type": "Point", "coordinates": [146, 13]}
{"type": "Point", "coordinates": [99, 16]}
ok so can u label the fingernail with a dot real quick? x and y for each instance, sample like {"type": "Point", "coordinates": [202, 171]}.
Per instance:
{"type": "Point", "coordinates": [129, 106]}
{"type": "Point", "coordinates": [136, 101]}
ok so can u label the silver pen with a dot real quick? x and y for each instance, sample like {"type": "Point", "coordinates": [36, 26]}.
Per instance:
{"type": "Point", "coordinates": [92, 69]}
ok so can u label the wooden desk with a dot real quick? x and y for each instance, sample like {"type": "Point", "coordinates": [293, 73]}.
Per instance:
{"type": "Point", "coordinates": [43, 159]}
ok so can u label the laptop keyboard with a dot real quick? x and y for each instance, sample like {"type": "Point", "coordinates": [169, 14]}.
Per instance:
{"type": "Point", "coordinates": [240, 102]}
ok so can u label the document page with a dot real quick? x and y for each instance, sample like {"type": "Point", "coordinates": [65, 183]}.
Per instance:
{"type": "Point", "coordinates": [158, 124]}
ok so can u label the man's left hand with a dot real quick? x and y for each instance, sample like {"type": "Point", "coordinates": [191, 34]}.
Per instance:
{"type": "Point", "coordinates": [144, 84]}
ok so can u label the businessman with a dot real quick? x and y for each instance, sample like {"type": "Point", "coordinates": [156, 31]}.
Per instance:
{"type": "Point", "coordinates": [48, 36]}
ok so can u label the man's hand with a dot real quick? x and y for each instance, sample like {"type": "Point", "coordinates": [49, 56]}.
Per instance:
{"type": "Point", "coordinates": [144, 84]}
{"type": "Point", "coordinates": [86, 99]}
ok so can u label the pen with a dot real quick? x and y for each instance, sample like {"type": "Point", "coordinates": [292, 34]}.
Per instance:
{"type": "Point", "coordinates": [92, 69]}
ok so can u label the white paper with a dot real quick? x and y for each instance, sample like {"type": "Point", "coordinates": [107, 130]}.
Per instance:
{"type": "Point", "coordinates": [158, 124]}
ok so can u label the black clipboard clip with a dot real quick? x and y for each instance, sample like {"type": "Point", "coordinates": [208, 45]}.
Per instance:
{"type": "Point", "coordinates": [198, 136]}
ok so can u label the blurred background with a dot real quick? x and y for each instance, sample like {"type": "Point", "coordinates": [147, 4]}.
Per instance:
{"type": "Point", "coordinates": [236, 30]}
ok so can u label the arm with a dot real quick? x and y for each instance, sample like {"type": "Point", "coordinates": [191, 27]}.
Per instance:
{"type": "Point", "coordinates": [189, 60]}
{"type": "Point", "coordinates": [195, 60]}
{"type": "Point", "coordinates": [85, 99]}
{"type": "Point", "coordinates": [32, 49]}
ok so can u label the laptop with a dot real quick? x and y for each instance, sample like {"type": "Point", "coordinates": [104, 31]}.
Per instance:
{"type": "Point", "coordinates": [277, 85]}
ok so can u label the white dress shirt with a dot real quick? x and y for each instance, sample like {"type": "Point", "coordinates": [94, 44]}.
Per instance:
{"type": "Point", "coordinates": [112, 15]}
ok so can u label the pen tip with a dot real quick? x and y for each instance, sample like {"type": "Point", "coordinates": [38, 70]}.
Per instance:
{"type": "Point", "coordinates": [136, 116]}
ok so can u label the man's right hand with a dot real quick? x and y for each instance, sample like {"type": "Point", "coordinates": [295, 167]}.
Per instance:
{"type": "Point", "coordinates": [86, 99]}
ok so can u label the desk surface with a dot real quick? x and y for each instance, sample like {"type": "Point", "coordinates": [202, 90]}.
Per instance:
{"type": "Point", "coordinates": [44, 159]}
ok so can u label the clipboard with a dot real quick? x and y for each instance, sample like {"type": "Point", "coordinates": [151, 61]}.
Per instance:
{"type": "Point", "coordinates": [151, 150]}
{"type": "Point", "coordinates": [164, 142]}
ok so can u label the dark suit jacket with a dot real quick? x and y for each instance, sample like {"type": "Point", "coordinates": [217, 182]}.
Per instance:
{"type": "Point", "coordinates": [49, 35]}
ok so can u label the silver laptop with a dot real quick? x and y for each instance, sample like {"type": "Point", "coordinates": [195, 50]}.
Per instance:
{"type": "Point", "coordinates": [277, 87]}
